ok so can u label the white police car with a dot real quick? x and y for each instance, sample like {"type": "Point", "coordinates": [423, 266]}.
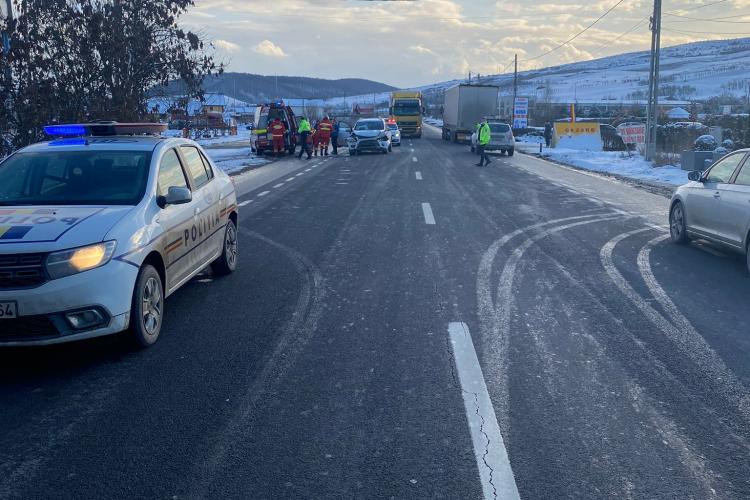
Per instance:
{"type": "Point", "coordinates": [97, 228]}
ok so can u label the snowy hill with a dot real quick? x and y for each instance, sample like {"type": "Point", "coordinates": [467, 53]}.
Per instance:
{"type": "Point", "coordinates": [691, 71]}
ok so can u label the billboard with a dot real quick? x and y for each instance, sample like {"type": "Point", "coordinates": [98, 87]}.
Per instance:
{"type": "Point", "coordinates": [578, 135]}
{"type": "Point", "coordinates": [521, 112]}
{"type": "Point", "coordinates": [632, 133]}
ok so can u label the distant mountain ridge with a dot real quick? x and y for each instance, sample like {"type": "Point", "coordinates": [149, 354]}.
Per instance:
{"type": "Point", "coordinates": [259, 88]}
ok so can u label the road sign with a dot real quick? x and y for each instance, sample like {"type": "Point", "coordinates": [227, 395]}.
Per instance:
{"type": "Point", "coordinates": [521, 112]}
{"type": "Point", "coordinates": [632, 133]}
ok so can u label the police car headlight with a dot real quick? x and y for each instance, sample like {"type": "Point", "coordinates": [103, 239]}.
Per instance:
{"type": "Point", "coordinates": [77, 260]}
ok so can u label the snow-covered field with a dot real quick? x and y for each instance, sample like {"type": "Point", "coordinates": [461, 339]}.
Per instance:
{"type": "Point", "coordinates": [633, 166]}
{"type": "Point", "coordinates": [235, 160]}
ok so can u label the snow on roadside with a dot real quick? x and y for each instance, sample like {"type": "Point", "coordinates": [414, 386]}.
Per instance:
{"type": "Point", "coordinates": [233, 160]}
{"type": "Point", "coordinates": [436, 122]}
{"type": "Point", "coordinates": [618, 163]}
{"type": "Point", "coordinates": [242, 135]}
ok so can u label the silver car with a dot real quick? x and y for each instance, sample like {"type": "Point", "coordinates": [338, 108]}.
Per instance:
{"type": "Point", "coordinates": [96, 230]}
{"type": "Point", "coordinates": [501, 139]}
{"type": "Point", "coordinates": [370, 135]}
{"type": "Point", "coordinates": [715, 205]}
{"type": "Point", "coordinates": [395, 134]}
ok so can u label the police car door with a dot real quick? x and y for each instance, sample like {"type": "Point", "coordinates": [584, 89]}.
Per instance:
{"type": "Point", "coordinates": [206, 220]}
{"type": "Point", "coordinates": [176, 220]}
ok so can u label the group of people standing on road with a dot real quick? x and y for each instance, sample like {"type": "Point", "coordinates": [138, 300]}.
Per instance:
{"type": "Point", "coordinates": [315, 138]}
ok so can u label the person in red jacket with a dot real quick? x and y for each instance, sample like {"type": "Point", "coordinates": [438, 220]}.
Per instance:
{"type": "Point", "coordinates": [277, 134]}
{"type": "Point", "coordinates": [325, 127]}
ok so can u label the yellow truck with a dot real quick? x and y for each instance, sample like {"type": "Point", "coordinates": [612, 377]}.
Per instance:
{"type": "Point", "coordinates": [407, 110]}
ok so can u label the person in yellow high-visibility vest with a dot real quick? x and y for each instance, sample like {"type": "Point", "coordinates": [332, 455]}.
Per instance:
{"type": "Point", "coordinates": [484, 138]}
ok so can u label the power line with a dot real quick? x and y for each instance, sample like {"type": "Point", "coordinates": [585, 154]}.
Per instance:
{"type": "Point", "coordinates": [700, 6]}
{"type": "Point", "coordinates": [687, 19]}
{"type": "Point", "coordinates": [577, 34]}
{"type": "Point", "coordinates": [691, 32]}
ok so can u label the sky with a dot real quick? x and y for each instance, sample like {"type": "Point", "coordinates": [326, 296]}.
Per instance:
{"type": "Point", "coordinates": [407, 43]}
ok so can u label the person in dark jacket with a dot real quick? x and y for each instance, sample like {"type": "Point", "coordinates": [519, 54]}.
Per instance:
{"type": "Point", "coordinates": [548, 133]}
{"type": "Point", "coordinates": [335, 137]}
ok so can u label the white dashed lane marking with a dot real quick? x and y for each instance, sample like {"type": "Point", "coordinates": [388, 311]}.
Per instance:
{"type": "Point", "coordinates": [245, 203]}
{"type": "Point", "coordinates": [278, 185]}
{"type": "Point", "coordinates": [264, 193]}
{"type": "Point", "coordinates": [418, 175]}
{"type": "Point", "coordinates": [429, 218]}
{"type": "Point", "coordinates": [289, 179]}
{"type": "Point", "coordinates": [414, 158]}
{"type": "Point", "coordinates": [495, 472]}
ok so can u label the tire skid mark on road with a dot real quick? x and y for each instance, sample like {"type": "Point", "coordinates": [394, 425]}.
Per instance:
{"type": "Point", "coordinates": [670, 433]}
{"type": "Point", "coordinates": [494, 315]}
{"type": "Point", "coordinates": [680, 330]}
{"type": "Point", "coordinates": [295, 335]}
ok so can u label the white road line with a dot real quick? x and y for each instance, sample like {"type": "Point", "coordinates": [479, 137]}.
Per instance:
{"type": "Point", "coordinates": [289, 179]}
{"type": "Point", "coordinates": [301, 173]}
{"type": "Point", "coordinates": [412, 150]}
{"type": "Point", "coordinates": [278, 185]}
{"type": "Point", "coordinates": [307, 170]}
{"type": "Point", "coordinates": [414, 158]}
{"type": "Point", "coordinates": [264, 193]}
{"type": "Point", "coordinates": [342, 183]}
{"type": "Point", "coordinates": [418, 175]}
{"type": "Point", "coordinates": [495, 471]}
{"type": "Point", "coordinates": [244, 203]}
{"type": "Point", "coordinates": [428, 217]}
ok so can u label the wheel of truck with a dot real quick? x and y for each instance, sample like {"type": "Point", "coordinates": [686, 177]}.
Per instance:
{"type": "Point", "coordinates": [511, 151]}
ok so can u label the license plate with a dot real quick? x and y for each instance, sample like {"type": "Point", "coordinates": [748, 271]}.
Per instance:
{"type": "Point", "coordinates": [8, 310]}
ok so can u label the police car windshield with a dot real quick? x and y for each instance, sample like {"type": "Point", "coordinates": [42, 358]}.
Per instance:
{"type": "Point", "coordinates": [369, 125]}
{"type": "Point", "coordinates": [74, 178]}
{"type": "Point", "coordinates": [393, 126]}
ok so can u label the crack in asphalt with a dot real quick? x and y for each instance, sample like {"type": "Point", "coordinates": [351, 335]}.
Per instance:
{"type": "Point", "coordinates": [475, 398]}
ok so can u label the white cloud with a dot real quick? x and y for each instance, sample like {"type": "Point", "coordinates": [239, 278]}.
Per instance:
{"type": "Point", "coordinates": [421, 50]}
{"type": "Point", "coordinates": [420, 42]}
{"type": "Point", "coordinates": [226, 45]}
{"type": "Point", "coordinates": [270, 49]}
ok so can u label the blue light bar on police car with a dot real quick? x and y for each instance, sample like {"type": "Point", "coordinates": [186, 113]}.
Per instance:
{"type": "Point", "coordinates": [66, 130]}
{"type": "Point", "coordinates": [104, 129]}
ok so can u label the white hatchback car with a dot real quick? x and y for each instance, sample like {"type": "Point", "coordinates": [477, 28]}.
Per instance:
{"type": "Point", "coordinates": [98, 228]}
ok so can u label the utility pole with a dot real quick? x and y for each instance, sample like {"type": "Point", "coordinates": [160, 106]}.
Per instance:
{"type": "Point", "coordinates": [515, 90]}
{"type": "Point", "coordinates": [652, 110]}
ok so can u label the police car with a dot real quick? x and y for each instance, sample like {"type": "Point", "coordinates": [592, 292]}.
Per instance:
{"type": "Point", "coordinates": [100, 225]}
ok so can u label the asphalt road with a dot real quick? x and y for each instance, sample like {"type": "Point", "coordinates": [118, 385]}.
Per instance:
{"type": "Point", "coordinates": [411, 326]}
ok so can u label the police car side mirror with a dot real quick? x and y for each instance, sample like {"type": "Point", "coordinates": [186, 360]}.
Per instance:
{"type": "Point", "coordinates": [175, 196]}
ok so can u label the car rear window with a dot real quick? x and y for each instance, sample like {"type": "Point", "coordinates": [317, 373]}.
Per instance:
{"type": "Point", "coordinates": [74, 178]}
{"type": "Point", "coordinates": [499, 128]}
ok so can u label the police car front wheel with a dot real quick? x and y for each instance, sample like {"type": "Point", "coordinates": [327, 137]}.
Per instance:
{"type": "Point", "coordinates": [147, 310]}
{"type": "Point", "coordinates": [227, 262]}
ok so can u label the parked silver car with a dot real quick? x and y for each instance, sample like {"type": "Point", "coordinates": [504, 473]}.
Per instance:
{"type": "Point", "coordinates": [715, 205]}
{"type": "Point", "coordinates": [501, 139]}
